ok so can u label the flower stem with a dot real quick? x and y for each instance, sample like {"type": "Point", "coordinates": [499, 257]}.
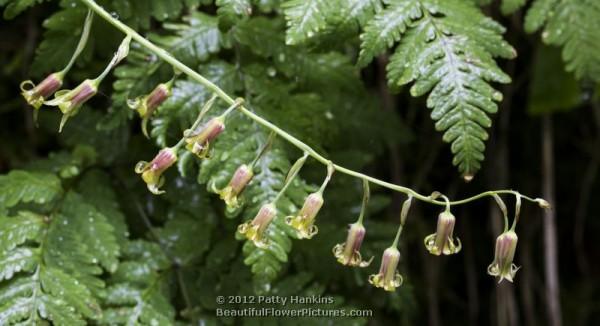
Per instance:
{"type": "Point", "coordinates": [365, 201]}
{"type": "Point", "coordinates": [179, 66]}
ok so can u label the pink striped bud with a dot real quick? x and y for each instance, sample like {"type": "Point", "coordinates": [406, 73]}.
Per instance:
{"type": "Point", "coordinates": [388, 278]}
{"type": "Point", "coordinates": [348, 253]}
{"type": "Point", "coordinates": [304, 221]}
{"type": "Point", "coordinates": [442, 241]}
{"type": "Point", "coordinates": [198, 142]}
{"type": "Point", "coordinates": [503, 266]}
{"type": "Point", "coordinates": [152, 172]}
{"type": "Point", "coordinates": [255, 230]}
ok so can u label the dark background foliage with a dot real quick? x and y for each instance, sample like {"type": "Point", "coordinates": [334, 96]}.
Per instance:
{"type": "Point", "coordinates": [315, 92]}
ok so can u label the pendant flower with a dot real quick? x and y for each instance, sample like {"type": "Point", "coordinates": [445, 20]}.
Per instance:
{"type": "Point", "coordinates": [303, 222]}
{"type": "Point", "coordinates": [349, 253]}
{"type": "Point", "coordinates": [254, 230]}
{"type": "Point", "coordinates": [70, 101]}
{"type": "Point", "coordinates": [198, 141]}
{"type": "Point", "coordinates": [241, 177]}
{"type": "Point", "coordinates": [152, 172]}
{"type": "Point", "coordinates": [442, 242]}
{"type": "Point", "coordinates": [388, 278]}
{"type": "Point", "coordinates": [503, 266]}
{"type": "Point", "coordinates": [146, 105]}
{"type": "Point", "coordinates": [35, 95]}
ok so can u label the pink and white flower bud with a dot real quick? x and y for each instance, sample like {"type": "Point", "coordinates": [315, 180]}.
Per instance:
{"type": "Point", "coordinates": [442, 241]}
{"type": "Point", "coordinates": [503, 266]}
{"type": "Point", "coordinates": [255, 229]}
{"type": "Point", "coordinates": [37, 94]}
{"type": "Point", "coordinates": [303, 222]}
{"type": "Point", "coordinates": [348, 253]}
{"type": "Point", "coordinates": [241, 177]}
{"type": "Point", "coordinates": [152, 172]}
{"type": "Point", "coordinates": [388, 278]}
{"type": "Point", "coordinates": [198, 141]}
{"type": "Point", "coordinates": [146, 105]}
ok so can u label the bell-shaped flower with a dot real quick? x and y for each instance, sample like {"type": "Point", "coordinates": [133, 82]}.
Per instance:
{"type": "Point", "coordinates": [303, 221]}
{"type": "Point", "coordinates": [147, 104]}
{"type": "Point", "coordinates": [255, 229]}
{"type": "Point", "coordinates": [70, 101]}
{"type": "Point", "coordinates": [241, 177]}
{"type": "Point", "coordinates": [388, 278]}
{"type": "Point", "coordinates": [35, 95]}
{"type": "Point", "coordinates": [503, 266]}
{"type": "Point", "coordinates": [348, 253]}
{"type": "Point", "coordinates": [198, 141]}
{"type": "Point", "coordinates": [442, 241]}
{"type": "Point", "coordinates": [152, 172]}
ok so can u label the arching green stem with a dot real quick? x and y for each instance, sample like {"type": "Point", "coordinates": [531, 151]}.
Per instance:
{"type": "Point", "coordinates": [179, 66]}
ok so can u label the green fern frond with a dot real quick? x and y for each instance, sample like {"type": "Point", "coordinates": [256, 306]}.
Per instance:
{"type": "Point", "coordinates": [305, 18]}
{"type": "Point", "coordinates": [386, 28]}
{"type": "Point", "coordinates": [135, 294]}
{"type": "Point", "coordinates": [573, 25]}
{"type": "Point", "coordinates": [452, 61]}
{"type": "Point", "coordinates": [15, 7]}
{"type": "Point", "coordinates": [232, 10]}
{"type": "Point", "coordinates": [510, 6]}
{"type": "Point", "coordinates": [21, 186]}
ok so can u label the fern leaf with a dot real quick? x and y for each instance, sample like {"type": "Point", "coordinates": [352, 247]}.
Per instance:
{"type": "Point", "coordinates": [94, 229]}
{"type": "Point", "coordinates": [230, 10]}
{"type": "Point", "coordinates": [135, 296]}
{"type": "Point", "coordinates": [20, 186]}
{"type": "Point", "coordinates": [510, 6]}
{"type": "Point", "coordinates": [305, 18]}
{"type": "Point", "coordinates": [538, 14]}
{"type": "Point", "coordinates": [452, 61]}
{"type": "Point", "coordinates": [573, 25]}
{"type": "Point", "coordinates": [15, 7]}
{"type": "Point", "coordinates": [386, 28]}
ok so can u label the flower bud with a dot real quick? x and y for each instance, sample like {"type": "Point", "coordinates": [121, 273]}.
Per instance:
{"type": "Point", "coordinates": [442, 242]}
{"type": "Point", "coordinates": [502, 266]}
{"type": "Point", "coordinates": [152, 172]}
{"type": "Point", "coordinates": [146, 105]}
{"type": "Point", "coordinates": [543, 203]}
{"type": "Point", "coordinates": [198, 140]}
{"type": "Point", "coordinates": [36, 94]}
{"type": "Point", "coordinates": [69, 101]}
{"type": "Point", "coordinates": [241, 177]}
{"type": "Point", "coordinates": [388, 278]}
{"type": "Point", "coordinates": [349, 253]}
{"type": "Point", "coordinates": [303, 222]}
{"type": "Point", "coordinates": [254, 230]}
